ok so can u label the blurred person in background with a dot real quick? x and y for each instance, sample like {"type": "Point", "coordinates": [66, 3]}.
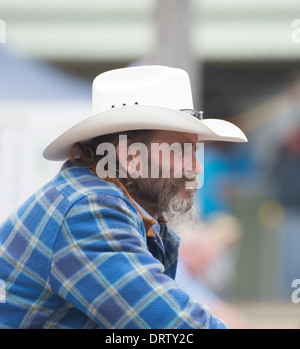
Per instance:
{"type": "Point", "coordinates": [227, 169]}
{"type": "Point", "coordinates": [287, 190]}
{"type": "Point", "coordinates": [92, 249]}
{"type": "Point", "coordinates": [207, 258]}
{"type": "Point", "coordinates": [213, 197]}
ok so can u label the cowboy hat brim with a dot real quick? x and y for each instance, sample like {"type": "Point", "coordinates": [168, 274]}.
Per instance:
{"type": "Point", "coordinates": [141, 117]}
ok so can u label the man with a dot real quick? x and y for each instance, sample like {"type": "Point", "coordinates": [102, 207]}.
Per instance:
{"type": "Point", "coordinates": [91, 249]}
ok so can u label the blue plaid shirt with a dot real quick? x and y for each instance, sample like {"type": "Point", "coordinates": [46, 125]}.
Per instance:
{"type": "Point", "coordinates": [80, 253]}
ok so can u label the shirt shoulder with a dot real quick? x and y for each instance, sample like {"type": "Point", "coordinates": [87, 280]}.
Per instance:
{"type": "Point", "coordinates": [75, 183]}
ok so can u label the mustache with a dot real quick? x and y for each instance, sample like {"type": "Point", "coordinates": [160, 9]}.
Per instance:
{"type": "Point", "coordinates": [192, 183]}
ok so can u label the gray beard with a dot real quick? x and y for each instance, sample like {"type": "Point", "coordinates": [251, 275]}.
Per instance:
{"type": "Point", "coordinates": [182, 215]}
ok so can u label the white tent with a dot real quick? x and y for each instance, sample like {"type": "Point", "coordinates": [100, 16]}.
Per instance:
{"type": "Point", "coordinates": [37, 102]}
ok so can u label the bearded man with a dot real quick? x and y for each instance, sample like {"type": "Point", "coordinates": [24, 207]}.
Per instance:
{"type": "Point", "coordinates": [92, 248]}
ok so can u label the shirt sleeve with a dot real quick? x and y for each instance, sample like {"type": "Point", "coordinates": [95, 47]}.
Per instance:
{"type": "Point", "coordinates": [102, 266]}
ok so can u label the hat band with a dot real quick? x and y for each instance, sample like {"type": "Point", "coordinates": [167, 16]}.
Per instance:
{"type": "Point", "coordinates": [197, 114]}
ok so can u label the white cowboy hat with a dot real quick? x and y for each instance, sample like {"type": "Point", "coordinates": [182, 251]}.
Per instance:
{"type": "Point", "coordinates": [144, 97]}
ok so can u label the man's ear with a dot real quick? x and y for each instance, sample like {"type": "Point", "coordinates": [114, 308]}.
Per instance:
{"type": "Point", "coordinates": [133, 159]}
{"type": "Point", "coordinates": [122, 149]}
{"type": "Point", "coordinates": [123, 157]}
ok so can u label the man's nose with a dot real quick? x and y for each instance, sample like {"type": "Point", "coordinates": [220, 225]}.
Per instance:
{"type": "Point", "coordinates": [193, 167]}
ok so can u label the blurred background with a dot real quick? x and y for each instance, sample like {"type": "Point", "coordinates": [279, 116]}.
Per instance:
{"type": "Point", "coordinates": [244, 61]}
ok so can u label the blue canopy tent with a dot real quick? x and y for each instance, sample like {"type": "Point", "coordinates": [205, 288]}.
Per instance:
{"type": "Point", "coordinates": [28, 78]}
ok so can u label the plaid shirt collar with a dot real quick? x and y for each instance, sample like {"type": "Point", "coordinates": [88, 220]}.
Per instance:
{"type": "Point", "coordinates": [149, 222]}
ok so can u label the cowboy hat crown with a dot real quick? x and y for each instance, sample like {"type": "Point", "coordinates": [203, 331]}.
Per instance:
{"type": "Point", "coordinates": [152, 85]}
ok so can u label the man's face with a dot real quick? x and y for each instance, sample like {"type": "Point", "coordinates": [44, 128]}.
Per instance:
{"type": "Point", "coordinates": [172, 172]}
